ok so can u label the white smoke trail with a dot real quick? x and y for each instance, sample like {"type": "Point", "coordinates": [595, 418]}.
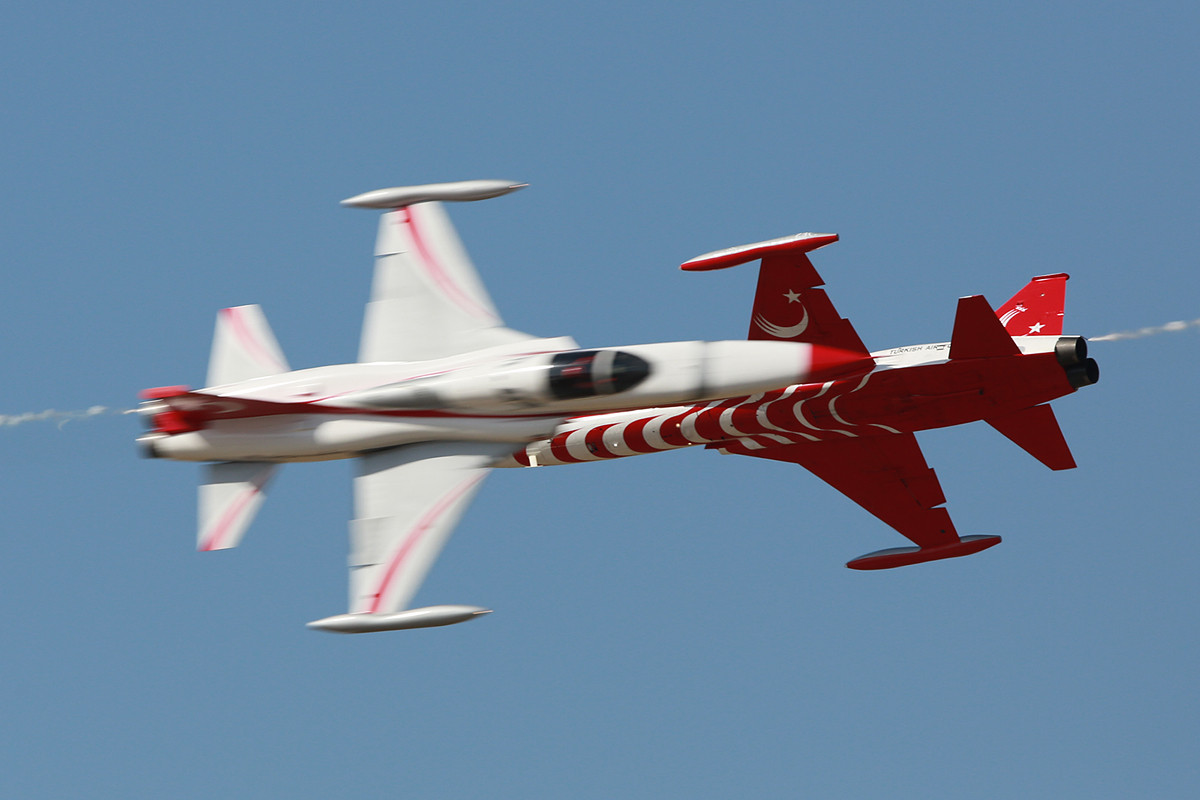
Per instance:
{"type": "Point", "coordinates": [1141, 333]}
{"type": "Point", "coordinates": [61, 417]}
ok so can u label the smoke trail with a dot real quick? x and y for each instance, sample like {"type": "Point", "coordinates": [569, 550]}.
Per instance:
{"type": "Point", "coordinates": [61, 417]}
{"type": "Point", "coordinates": [1141, 333]}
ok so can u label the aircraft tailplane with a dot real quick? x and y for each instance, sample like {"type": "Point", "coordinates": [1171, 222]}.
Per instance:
{"type": "Point", "coordinates": [243, 347]}
{"type": "Point", "coordinates": [1035, 430]}
{"type": "Point", "coordinates": [231, 493]}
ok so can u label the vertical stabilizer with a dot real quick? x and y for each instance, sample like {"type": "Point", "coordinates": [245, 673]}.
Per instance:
{"type": "Point", "coordinates": [243, 347]}
{"type": "Point", "coordinates": [1036, 310]}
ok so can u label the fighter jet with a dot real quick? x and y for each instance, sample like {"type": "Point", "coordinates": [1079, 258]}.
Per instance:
{"type": "Point", "coordinates": [443, 392]}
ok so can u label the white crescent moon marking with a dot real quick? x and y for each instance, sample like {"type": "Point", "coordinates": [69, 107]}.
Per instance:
{"type": "Point", "coordinates": [781, 331]}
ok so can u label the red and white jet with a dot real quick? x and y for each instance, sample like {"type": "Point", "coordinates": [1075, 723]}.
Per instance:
{"type": "Point", "coordinates": [443, 392]}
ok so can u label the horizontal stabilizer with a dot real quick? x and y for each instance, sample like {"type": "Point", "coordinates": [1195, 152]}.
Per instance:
{"type": "Point", "coordinates": [978, 333]}
{"type": "Point", "coordinates": [904, 556]}
{"type": "Point", "coordinates": [230, 495]}
{"type": "Point", "coordinates": [243, 347]}
{"type": "Point", "coordinates": [1035, 430]}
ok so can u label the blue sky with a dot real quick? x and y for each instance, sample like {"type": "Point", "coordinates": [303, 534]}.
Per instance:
{"type": "Point", "coordinates": [673, 626]}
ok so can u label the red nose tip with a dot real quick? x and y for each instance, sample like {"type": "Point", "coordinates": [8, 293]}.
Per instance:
{"type": "Point", "coordinates": [829, 363]}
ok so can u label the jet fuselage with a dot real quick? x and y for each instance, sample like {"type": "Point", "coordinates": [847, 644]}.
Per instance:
{"type": "Point", "coordinates": [345, 410]}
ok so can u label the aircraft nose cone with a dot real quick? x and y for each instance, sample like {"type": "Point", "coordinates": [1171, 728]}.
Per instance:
{"type": "Point", "coordinates": [832, 362]}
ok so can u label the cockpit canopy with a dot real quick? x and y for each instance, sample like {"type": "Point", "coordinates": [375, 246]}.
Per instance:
{"type": "Point", "coordinates": [520, 383]}
{"type": "Point", "coordinates": [590, 373]}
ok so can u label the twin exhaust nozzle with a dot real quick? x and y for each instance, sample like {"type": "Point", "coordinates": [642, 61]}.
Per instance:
{"type": "Point", "coordinates": [1071, 352]}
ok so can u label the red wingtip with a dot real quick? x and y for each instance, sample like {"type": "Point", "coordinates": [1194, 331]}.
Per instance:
{"type": "Point", "coordinates": [733, 256]}
{"type": "Point", "coordinates": [904, 556]}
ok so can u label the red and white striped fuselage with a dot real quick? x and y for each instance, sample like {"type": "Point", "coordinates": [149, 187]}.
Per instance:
{"type": "Point", "coordinates": [910, 389]}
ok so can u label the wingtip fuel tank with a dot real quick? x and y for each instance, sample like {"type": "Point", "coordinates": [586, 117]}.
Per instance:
{"type": "Point", "coordinates": [458, 191]}
{"type": "Point", "coordinates": [428, 617]}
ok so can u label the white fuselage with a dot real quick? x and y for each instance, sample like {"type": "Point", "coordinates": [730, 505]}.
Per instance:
{"type": "Point", "coordinates": [345, 410]}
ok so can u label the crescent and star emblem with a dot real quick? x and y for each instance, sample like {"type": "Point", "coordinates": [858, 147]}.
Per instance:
{"type": "Point", "coordinates": [784, 331]}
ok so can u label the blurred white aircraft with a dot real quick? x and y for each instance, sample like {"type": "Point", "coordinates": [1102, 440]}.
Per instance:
{"type": "Point", "coordinates": [441, 393]}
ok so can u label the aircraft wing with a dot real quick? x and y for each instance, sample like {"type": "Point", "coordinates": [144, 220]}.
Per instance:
{"type": "Point", "coordinates": [407, 501]}
{"type": "Point", "coordinates": [886, 475]}
{"type": "Point", "coordinates": [427, 300]}
{"type": "Point", "coordinates": [788, 306]}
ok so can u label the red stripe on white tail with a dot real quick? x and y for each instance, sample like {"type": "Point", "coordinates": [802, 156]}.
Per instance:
{"type": "Point", "coordinates": [251, 344]}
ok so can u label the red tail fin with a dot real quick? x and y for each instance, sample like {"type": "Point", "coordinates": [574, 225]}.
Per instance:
{"type": "Point", "coordinates": [1036, 310]}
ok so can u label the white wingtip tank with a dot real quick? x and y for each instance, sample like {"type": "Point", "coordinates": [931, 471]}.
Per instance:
{"type": "Point", "coordinates": [428, 617]}
{"type": "Point", "coordinates": [456, 192]}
